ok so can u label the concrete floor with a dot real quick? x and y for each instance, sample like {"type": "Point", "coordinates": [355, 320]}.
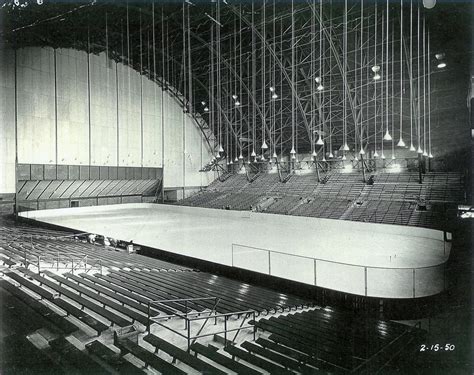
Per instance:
{"type": "Point", "coordinates": [361, 258]}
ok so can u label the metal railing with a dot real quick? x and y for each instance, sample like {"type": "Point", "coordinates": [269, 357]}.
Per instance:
{"type": "Point", "coordinates": [266, 266]}
{"type": "Point", "coordinates": [194, 316]}
{"type": "Point", "coordinates": [68, 262]}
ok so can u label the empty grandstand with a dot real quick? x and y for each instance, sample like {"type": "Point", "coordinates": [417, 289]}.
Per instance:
{"type": "Point", "coordinates": [235, 187]}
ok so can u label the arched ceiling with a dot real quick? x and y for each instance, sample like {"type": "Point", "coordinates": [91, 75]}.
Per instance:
{"type": "Point", "coordinates": [178, 41]}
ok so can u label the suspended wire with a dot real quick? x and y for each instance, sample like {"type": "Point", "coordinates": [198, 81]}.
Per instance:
{"type": "Point", "coordinates": [401, 143]}
{"type": "Point", "coordinates": [412, 148]}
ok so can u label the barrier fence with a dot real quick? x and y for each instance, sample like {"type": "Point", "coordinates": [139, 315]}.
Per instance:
{"type": "Point", "coordinates": [371, 281]}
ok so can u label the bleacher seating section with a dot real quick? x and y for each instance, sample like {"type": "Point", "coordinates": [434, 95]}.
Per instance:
{"type": "Point", "coordinates": [392, 198]}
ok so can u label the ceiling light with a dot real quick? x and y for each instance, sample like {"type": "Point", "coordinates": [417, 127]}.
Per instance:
{"type": "Point", "coordinates": [362, 152]}
{"type": "Point", "coordinates": [377, 77]}
{"type": "Point", "coordinates": [412, 148]}
{"type": "Point", "coordinates": [441, 65]}
{"type": "Point", "coordinates": [383, 156]}
{"type": "Point", "coordinates": [401, 143]}
{"type": "Point", "coordinates": [343, 157]}
{"type": "Point", "coordinates": [320, 141]}
{"type": "Point", "coordinates": [237, 103]}
{"type": "Point", "coordinates": [236, 160]}
{"type": "Point", "coordinates": [419, 151]}
{"type": "Point", "coordinates": [375, 68]}
{"type": "Point", "coordinates": [234, 97]}
{"type": "Point", "coordinates": [292, 152]}
{"type": "Point", "coordinates": [320, 87]}
{"type": "Point", "coordinates": [264, 145]}
{"type": "Point", "coordinates": [387, 136]}
{"type": "Point", "coordinates": [274, 96]}
{"type": "Point", "coordinates": [221, 149]}
{"type": "Point", "coordinates": [272, 89]}
{"type": "Point", "coordinates": [203, 103]}
{"type": "Point", "coordinates": [430, 155]}
{"type": "Point", "coordinates": [206, 109]}
{"type": "Point", "coordinates": [439, 56]}
{"type": "Point", "coordinates": [425, 153]}
{"type": "Point", "coordinates": [331, 155]}
{"type": "Point", "coordinates": [275, 155]}
{"type": "Point", "coordinates": [314, 154]}
{"type": "Point", "coordinates": [346, 147]}
{"type": "Point", "coordinates": [241, 156]}
{"type": "Point", "coordinates": [253, 154]}
{"type": "Point", "coordinates": [318, 79]}
{"type": "Point", "coordinates": [376, 154]}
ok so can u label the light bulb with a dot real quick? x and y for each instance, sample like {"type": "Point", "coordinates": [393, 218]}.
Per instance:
{"type": "Point", "coordinates": [264, 145]}
{"type": "Point", "coordinates": [387, 136]}
{"type": "Point", "coordinates": [419, 151]}
{"type": "Point", "coordinates": [362, 152]}
{"type": "Point", "coordinates": [441, 65]}
{"type": "Point", "coordinates": [331, 155]}
{"type": "Point", "coordinates": [343, 157]}
{"type": "Point", "coordinates": [346, 147]}
{"type": "Point", "coordinates": [314, 154]}
{"type": "Point", "coordinates": [206, 109]}
{"type": "Point", "coordinates": [323, 159]}
{"type": "Point", "coordinates": [272, 89]}
{"type": "Point", "coordinates": [376, 154]}
{"type": "Point", "coordinates": [221, 149]}
{"type": "Point", "coordinates": [401, 143]}
{"type": "Point", "coordinates": [320, 87]}
{"type": "Point", "coordinates": [425, 153]}
{"type": "Point", "coordinates": [241, 156]}
{"type": "Point", "coordinates": [320, 141]}
{"type": "Point", "coordinates": [237, 103]}
{"type": "Point", "coordinates": [253, 154]}
{"type": "Point", "coordinates": [393, 157]}
{"type": "Point", "coordinates": [236, 160]}
{"type": "Point", "coordinates": [318, 79]}
{"type": "Point", "coordinates": [375, 68]}
{"type": "Point", "coordinates": [274, 96]}
{"type": "Point", "coordinates": [377, 77]}
{"type": "Point", "coordinates": [293, 151]}
{"type": "Point", "coordinates": [430, 155]}
{"type": "Point", "coordinates": [275, 155]}
{"type": "Point", "coordinates": [383, 156]}
{"type": "Point", "coordinates": [234, 96]}
{"type": "Point", "coordinates": [412, 148]}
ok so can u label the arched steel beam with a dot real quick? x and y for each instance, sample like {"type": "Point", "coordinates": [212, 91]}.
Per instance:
{"type": "Point", "coordinates": [279, 63]}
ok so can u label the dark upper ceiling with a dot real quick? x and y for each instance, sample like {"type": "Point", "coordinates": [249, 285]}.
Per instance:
{"type": "Point", "coordinates": [108, 25]}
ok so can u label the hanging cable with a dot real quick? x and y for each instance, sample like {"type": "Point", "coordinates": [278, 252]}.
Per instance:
{"type": "Point", "coordinates": [344, 83]}
{"type": "Point", "coordinates": [387, 136]}
{"type": "Point", "coordinates": [392, 89]}
{"type": "Point", "coordinates": [293, 151]}
{"type": "Point", "coordinates": [382, 87]}
{"type": "Point", "coordinates": [401, 143]}
{"type": "Point", "coordinates": [430, 155]}
{"type": "Point", "coordinates": [375, 69]}
{"type": "Point", "coordinates": [362, 152]}
{"type": "Point", "coordinates": [412, 147]}
{"type": "Point", "coordinates": [424, 88]}
{"type": "Point", "coordinates": [419, 150]}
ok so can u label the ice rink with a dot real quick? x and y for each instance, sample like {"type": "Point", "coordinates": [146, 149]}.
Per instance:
{"type": "Point", "coordinates": [361, 258]}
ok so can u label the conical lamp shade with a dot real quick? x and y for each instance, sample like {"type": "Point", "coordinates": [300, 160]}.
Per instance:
{"type": "Point", "coordinates": [314, 154]}
{"type": "Point", "coordinates": [323, 159]}
{"type": "Point", "coordinates": [253, 154]}
{"type": "Point", "coordinates": [412, 148]}
{"type": "Point", "coordinates": [221, 149]}
{"type": "Point", "coordinates": [263, 158]}
{"type": "Point", "coordinates": [231, 162]}
{"type": "Point", "coordinates": [343, 157]}
{"type": "Point", "coordinates": [319, 142]}
{"type": "Point", "coordinates": [425, 153]}
{"type": "Point", "coordinates": [383, 156]}
{"type": "Point", "coordinates": [393, 157]}
{"type": "Point", "coordinates": [419, 151]}
{"type": "Point", "coordinates": [218, 155]}
{"type": "Point", "coordinates": [376, 154]}
{"type": "Point", "coordinates": [362, 152]}
{"type": "Point", "coordinates": [275, 155]}
{"type": "Point", "coordinates": [264, 145]}
{"type": "Point", "coordinates": [346, 147]}
{"type": "Point", "coordinates": [430, 155]}
{"type": "Point", "coordinates": [236, 159]}
{"type": "Point", "coordinates": [387, 136]}
{"type": "Point", "coordinates": [293, 156]}
{"type": "Point", "coordinates": [241, 156]}
{"type": "Point", "coordinates": [401, 143]}
{"type": "Point", "coordinates": [292, 152]}
{"type": "Point", "coordinates": [331, 155]}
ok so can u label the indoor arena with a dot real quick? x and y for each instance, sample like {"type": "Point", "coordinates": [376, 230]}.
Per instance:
{"type": "Point", "coordinates": [236, 187]}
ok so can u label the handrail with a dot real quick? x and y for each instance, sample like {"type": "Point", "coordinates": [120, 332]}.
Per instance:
{"type": "Point", "coordinates": [83, 262]}
{"type": "Point", "coordinates": [315, 261]}
{"type": "Point", "coordinates": [188, 319]}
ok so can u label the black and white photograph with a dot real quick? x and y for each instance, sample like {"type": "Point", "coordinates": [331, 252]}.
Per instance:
{"type": "Point", "coordinates": [236, 187]}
